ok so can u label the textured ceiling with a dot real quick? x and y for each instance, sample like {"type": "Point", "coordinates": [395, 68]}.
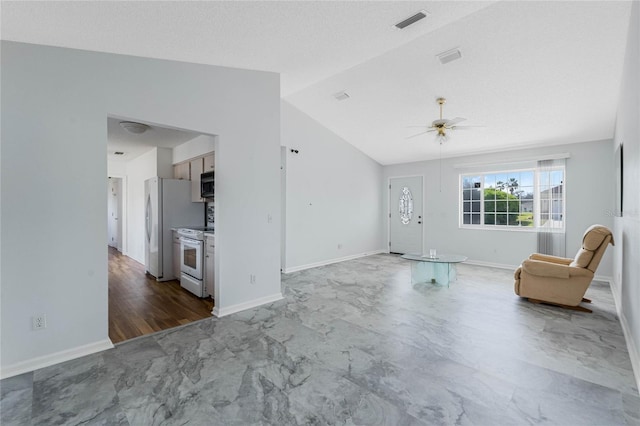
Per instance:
{"type": "Point", "coordinates": [533, 73]}
{"type": "Point", "coordinates": [305, 41]}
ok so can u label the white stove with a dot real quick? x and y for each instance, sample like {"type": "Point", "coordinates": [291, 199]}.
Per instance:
{"type": "Point", "coordinates": [192, 259]}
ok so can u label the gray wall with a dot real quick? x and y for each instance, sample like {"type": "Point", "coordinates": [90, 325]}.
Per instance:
{"type": "Point", "coordinates": [627, 227]}
{"type": "Point", "coordinates": [332, 194]}
{"type": "Point", "coordinates": [55, 104]}
{"type": "Point", "coordinates": [588, 200]}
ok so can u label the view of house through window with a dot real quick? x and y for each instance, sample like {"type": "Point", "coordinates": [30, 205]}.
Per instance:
{"type": "Point", "coordinates": [519, 198]}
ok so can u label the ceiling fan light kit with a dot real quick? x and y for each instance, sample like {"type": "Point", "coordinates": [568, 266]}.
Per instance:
{"type": "Point", "coordinates": [441, 125]}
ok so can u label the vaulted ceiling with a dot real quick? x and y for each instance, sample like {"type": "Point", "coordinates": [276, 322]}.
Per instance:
{"type": "Point", "coordinates": [532, 73]}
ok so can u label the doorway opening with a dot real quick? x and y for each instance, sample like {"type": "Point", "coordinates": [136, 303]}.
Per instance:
{"type": "Point", "coordinates": [138, 152]}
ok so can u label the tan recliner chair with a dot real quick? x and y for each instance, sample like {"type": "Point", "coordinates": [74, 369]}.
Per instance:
{"type": "Point", "coordinates": [560, 281]}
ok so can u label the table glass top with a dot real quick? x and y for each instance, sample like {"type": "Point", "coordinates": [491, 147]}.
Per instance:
{"type": "Point", "coordinates": [440, 258]}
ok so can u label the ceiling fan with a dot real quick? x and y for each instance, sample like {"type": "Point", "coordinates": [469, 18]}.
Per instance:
{"type": "Point", "coordinates": [441, 125]}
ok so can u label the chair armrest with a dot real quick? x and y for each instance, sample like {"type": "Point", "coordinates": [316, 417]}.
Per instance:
{"type": "Point", "coordinates": [575, 271]}
{"type": "Point", "coordinates": [546, 269]}
{"type": "Point", "coordinates": [551, 259]}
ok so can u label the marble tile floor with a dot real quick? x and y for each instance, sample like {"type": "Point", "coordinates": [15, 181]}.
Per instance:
{"type": "Point", "coordinates": [355, 343]}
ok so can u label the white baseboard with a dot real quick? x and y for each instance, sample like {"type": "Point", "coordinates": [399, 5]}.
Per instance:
{"type": "Point", "coordinates": [632, 348]}
{"type": "Point", "coordinates": [634, 355]}
{"type": "Point", "coordinates": [221, 312]}
{"type": "Point", "coordinates": [604, 278]}
{"type": "Point", "coordinates": [491, 265]}
{"type": "Point", "coordinates": [330, 261]}
{"type": "Point", "coordinates": [55, 358]}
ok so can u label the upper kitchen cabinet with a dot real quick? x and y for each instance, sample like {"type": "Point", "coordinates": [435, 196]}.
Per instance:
{"type": "Point", "coordinates": [181, 171]}
{"type": "Point", "coordinates": [191, 170]}
{"type": "Point", "coordinates": [197, 166]}
{"type": "Point", "coordinates": [209, 163]}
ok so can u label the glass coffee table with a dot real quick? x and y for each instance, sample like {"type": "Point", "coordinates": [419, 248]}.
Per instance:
{"type": "Point", "coordinates": [440, 269]}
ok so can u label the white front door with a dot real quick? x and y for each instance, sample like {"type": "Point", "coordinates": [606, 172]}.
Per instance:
{"type": "Point", "coordinates": [405, 215]}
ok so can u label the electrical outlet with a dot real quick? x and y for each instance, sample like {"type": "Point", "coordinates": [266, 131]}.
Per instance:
{"type": "Point", "coordinates": [39, 322]}
{"type": "Point", "coordinates": [339, 246]}
{"type": "Point", "coordinates": [252, 279]}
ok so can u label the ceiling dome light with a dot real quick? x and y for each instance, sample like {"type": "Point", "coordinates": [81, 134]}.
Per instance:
{"type": "Point", "coordinates": [133, 127]}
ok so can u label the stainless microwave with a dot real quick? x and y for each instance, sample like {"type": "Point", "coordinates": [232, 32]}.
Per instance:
{"type": "Point", "coordinates": [207, 185]}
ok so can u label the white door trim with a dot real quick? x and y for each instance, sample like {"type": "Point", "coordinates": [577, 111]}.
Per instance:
{"type": "Point", "coordinates": [388, 245]}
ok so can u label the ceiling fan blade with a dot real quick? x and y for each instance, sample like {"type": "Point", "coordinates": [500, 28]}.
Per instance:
{"type": "Point", "coordinates": [417, 134]}
{"type": "Point", "coordinates": [464, 127]}
{"type": "Point", "coordinates": [455, 121]}
{"type": "Point", "coordinates": [423, 127]}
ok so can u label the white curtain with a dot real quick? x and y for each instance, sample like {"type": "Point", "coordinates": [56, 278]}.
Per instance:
{"type": "Point", "coordinates": [551, 228]}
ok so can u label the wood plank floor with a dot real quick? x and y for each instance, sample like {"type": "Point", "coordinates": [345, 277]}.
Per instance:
{"type": "Point", "coordinates": [140, 305]}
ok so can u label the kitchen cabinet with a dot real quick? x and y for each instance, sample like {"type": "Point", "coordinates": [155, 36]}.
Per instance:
{"type": "Point", "coordinates": [176, 255]}
{"type": "Point", "coordinates": [209, 264]}
{"type": "Point", "coordinates": [209, 163]}
{"type": "Point", "coordinates": [197, 166]}
{"type": "Point", "coordinates": [181, 171]}
{"type": "Point", "coordinates": [191, 170]}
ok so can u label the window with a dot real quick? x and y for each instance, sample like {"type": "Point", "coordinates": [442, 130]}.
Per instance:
{"type": "Point", "coordinates": [523, 199]}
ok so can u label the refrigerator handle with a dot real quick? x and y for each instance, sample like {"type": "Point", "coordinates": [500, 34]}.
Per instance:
{"type": "Point", "coordinates": [148, 218]}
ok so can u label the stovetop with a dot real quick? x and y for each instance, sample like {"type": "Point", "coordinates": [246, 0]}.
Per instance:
{"type": "Point", "coordinates": [195, 233]}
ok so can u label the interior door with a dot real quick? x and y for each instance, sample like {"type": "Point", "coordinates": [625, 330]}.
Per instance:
{"type": "Point", "coordinates": [112, 206]}
{"type": "Point", "coordinates": [405, 215]}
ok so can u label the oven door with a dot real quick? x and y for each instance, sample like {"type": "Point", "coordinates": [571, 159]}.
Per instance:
{"type": "Point", "coordinates": [191, 257]}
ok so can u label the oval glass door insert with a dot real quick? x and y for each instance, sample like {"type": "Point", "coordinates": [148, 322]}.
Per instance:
{"type": "Point", "coordinates": [406, 206]}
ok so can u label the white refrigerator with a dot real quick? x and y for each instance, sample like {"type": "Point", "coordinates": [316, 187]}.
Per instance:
{"type": "Point", "coordinates": [167, 205]}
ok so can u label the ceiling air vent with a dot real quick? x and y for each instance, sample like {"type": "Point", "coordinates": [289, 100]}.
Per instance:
{"type": "Point", "coordinates": [412, 19]}
{"type": "Point", "coordinates": [449, 55]}
{"type": "Point", "coordinates": [341, 96]}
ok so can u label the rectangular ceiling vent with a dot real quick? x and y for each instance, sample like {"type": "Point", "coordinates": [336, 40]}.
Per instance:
{"type": "Point", "coordinates": [449, 55]}
{"type": "Point", "coordinates": [341, 96]}
{"type": "Point", "coordinates": [412, 19]}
